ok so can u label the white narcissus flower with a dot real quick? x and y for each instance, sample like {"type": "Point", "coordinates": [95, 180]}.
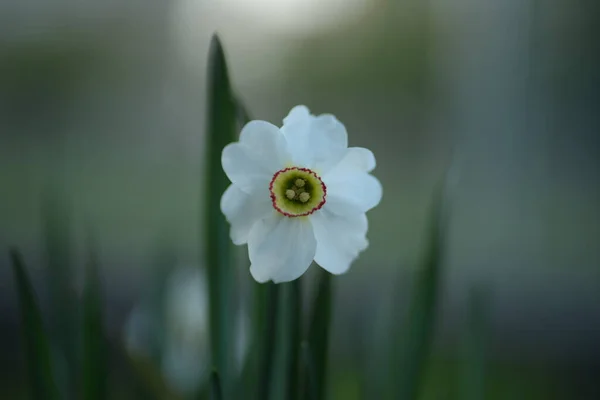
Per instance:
{"type": "Point", "coordinates": [298, 194]}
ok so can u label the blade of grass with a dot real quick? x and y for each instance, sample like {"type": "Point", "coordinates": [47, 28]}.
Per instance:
{"type": "Point", "coordinates": [472, 384]}
{"type": "Point", "coordinates": [287, 343]}
{"type": "Point", "coordinates": [309, 388]}
{"type": "Point", "coordinates": [63, 304]}
{"type": "Point", "coordinates": [318, 336]}
{"type": "Point", "coordinates": [294, 310]}
{"type": "Point", "coordinates": [243, 116]}
{"type": "Point", "coordinates": [95, 368]}
{"type": "Point", "coordinates": [36, 348]}
{"type": "Point", "coordinates": [414, 348]}
{"type": "Point", "coordinates": [221, 130]}
{"type": "Point", "coordinates": [215, 387]}
{"type": "Point", "coordinates": [259, 369]}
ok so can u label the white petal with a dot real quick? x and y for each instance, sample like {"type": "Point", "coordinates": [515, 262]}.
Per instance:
{"type": "Point", "coordinates": [356, 159]}
{"type": "Point", "coordinates": [331, 142]}
{"type": "Point", "coordinates": [261, 152]}
{"type": "Point", "coordinates": [314, 142]}
{"type": "Point", "coordinates": [339, 239]}
{"type": "Point", "coordinates": [280, 248]}
{"type": "Point", "coordinates": [267, 144]}
{"type": "Point", "coordinates": [242, 211]}
{"type": "Point", "coordinates": [353, 193]}
{"type": "Point", "coordinates": [297, 113]}
{"type": "Point", "coordinates": [243, 168]}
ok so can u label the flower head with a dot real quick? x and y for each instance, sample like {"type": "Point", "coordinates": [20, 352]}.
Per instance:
{"type": "Point", "coordinates": [298, 194]}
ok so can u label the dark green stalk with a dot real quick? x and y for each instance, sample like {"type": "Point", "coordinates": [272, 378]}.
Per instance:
{"type": "Point", "coordinates": [36, 347]}
{"type": "Point", "coordinates": [318, 337]}
{"type": "Point", "coordinates": [408, 369]}
{"type": "Point", "coordinates": [95, 349]}
{"type": "Point", "coordinates": [221, 130]}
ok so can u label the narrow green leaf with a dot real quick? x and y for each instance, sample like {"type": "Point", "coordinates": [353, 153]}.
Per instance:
{"type": "Point", "coordinates": [287, 343]}
{"type": "Point", "coordinates": [36, 348]}
{"type": "Point", "coordinates": [221, 130]}
{"type": "Point", "coordinates": [215, 387]}
{"type": "Point", "coordinates": [293, 309]}
{"type": "Point", "coordinates": [318, 336]}
{"type": "Point", "coordinates": [62, 299]}
{"type": "Point", "coordinates": [472, 383]}
{"type": "Point", "coordinates": [243, 116]}
{"type": "Point", "coordinates": [95, 368]}
{"type": "Point", "coordinates": [260, 366]}
{"type": "Point", "coordinates": [309, 383]}
{"type": "Point", "coordinates": [416, 336]}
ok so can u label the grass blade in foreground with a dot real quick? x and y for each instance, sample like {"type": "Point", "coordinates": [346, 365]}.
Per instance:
{"type": "Point", "coordinates": [41, 379]}
{"type": "Point", "coordinates": [473, 372]}
{"type": "Point", "coordinates": [63, 305]}
{"type": "Point", "coordinates": [215, 387]}
{"type": "Point", "coordinates": [308, 372]}
{"type": "Point", "coordinates": [259, 367]}
{"type": "Point", "coordinates": [221, 130]}
{"type": "Point", "coordinates": [294, 308]}
{"type": "Point", "coordinates": [413, 351]}
{"type": "Point", "coordinates": [95, 368]}
{"type": "Point", "coordinates": [243, 116]}
{"type": "Point", "coordinates": [287, 343]}
{"type": "Point", "coordinates": [318, 338]}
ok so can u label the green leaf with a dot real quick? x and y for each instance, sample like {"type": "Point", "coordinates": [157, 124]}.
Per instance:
{"type": "Point", "coordinates": [259, 367]}
{"type": "Point", "coordinates": [294, 310]}
{"type": "Point", "coordinates": [243, 116]}
{"type": "Point", "coordinates": [308, 372]}
{"type": "Point", "coordinates": [284, 383]}
{"type": "Point", "coordinates": [417, 334]}
{"type": "Point", "coordinates": [95, 349]}
{"type": "Point", "coordinates": [62, 299]}
{"type": "Point", "coordinates": [36, 348]}
{"type": "Point", "coordinates": [472, 383]}
{"type": "Point", "coordinates": [318, 337]}
{"type": "Point", "coordinates": [215, 387]}
{"type": "Point", "coordinates": [221, 130]}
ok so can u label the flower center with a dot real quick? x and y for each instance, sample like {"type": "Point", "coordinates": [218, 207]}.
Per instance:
{"type": "Point", "coordinates": [297, 192]}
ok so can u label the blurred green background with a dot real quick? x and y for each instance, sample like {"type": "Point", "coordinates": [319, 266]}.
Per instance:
{"type": "Point", "coordinates": [102, 117]}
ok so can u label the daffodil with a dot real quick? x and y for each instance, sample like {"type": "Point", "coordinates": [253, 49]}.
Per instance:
{"type": "Point", "coordinates": [298, 194]}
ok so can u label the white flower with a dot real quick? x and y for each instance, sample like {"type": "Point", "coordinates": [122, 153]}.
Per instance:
{"type": "Point", "coordinates": [298, 194]}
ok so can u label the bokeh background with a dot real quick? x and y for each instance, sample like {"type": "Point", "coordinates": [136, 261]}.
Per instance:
{"type": "Point", "coordinates": [102, 116]}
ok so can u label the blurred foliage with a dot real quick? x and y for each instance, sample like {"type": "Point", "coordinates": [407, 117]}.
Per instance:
{"type": "Point", "coordinates": [215, 387]}
{"type": "Point", "coordinates": [317, 342]}
{"type": "Point", "coordinates": [285, 363]}
{"type": "Point", "coordinates": [221, 130]}
{"type": "Point", "coordinates": [60, 278]}
{"type": "Point", "coordinates": [259, 371]}
{"type": "Point", "coordinates": [41, 382]}
{"type": "Point", "coordinates": [95, 349]}
{"type": "Point", "coordinates": [414, 338]}
{"type": "Point", "coordinates": [475, 337]}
